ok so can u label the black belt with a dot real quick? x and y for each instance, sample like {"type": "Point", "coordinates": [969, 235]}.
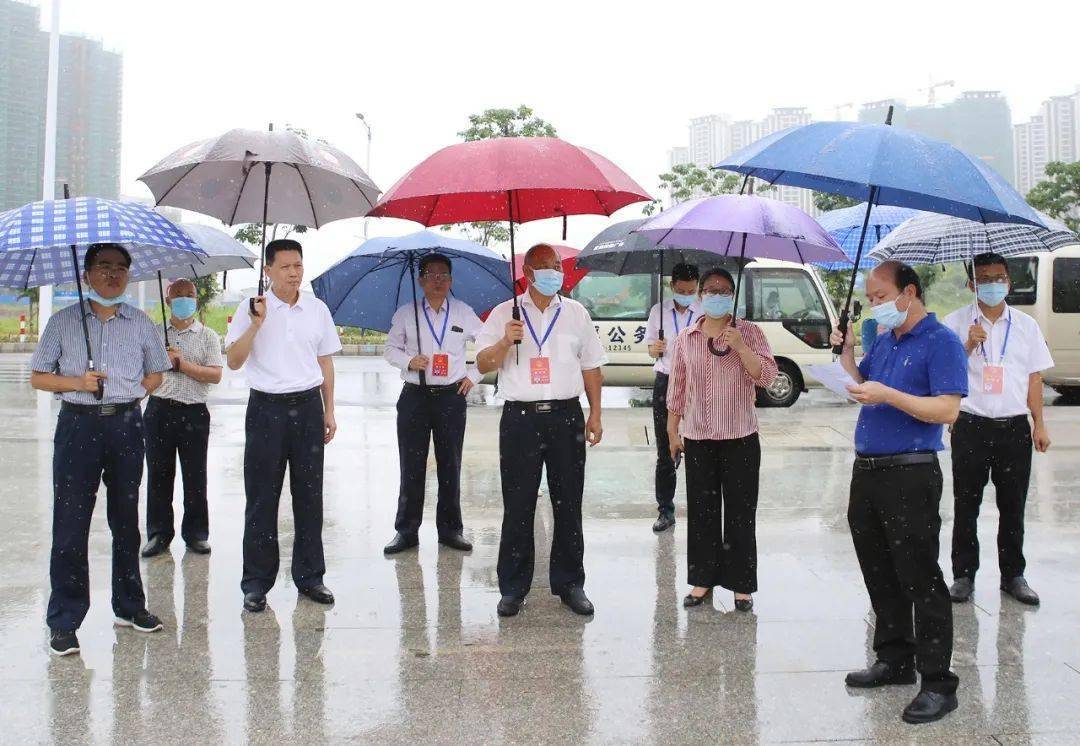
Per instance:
{"type": "Point", "coordinates": [103, 410]}
{"type": "Point", "coordinates": [444, 389]}
{"type": "Point", "coordinates": [873, 463]}
{"type": "Point", "coordinates": [974, 419]}
{"type": "Point", "coordinates": [292, 397]}
{"type": "Point", "coordinates": [543, 407]}
{"type": "Point", "coordinates": [174, 403]}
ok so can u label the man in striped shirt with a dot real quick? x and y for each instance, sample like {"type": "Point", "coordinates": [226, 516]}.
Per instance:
{"type": "Point", "coordinates": [99, 436]}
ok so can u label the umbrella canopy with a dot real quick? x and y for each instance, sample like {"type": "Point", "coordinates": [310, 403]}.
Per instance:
{"type": "Point", "coordinates": [509, 178]}
{"type": "Point", "coordinates": [936, 239]}
{"type": "Point", "coordinates": [366, 287]}
{"type": "Point", "coordinates": [38, 239]}
{"type": "Point", "coordinates": [302, 181]}
{"type": "Point", "coordinates": [571, 273]}
{"type": "Point", "coordinates": [900, 167]}
{"type": "Point", "coordinates": [743, 226]}
{"type": "Point", "coordinates": [845, 225]}
{"type": "Point", "coordinates": [222, 253]}
{"type": "Point", "coordinates": [620, 250]}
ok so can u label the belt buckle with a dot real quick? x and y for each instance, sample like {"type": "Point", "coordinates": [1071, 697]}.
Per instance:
{"type": "Point", "coordinates": [107, 410]}
{"type": "Point", "coordinates": [543, 407]}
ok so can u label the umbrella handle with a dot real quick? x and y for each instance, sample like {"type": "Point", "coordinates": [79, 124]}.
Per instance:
{"type": "Point", "coordinates": [845, 318]}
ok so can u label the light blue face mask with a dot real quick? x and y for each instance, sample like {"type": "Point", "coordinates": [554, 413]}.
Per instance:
{"type": "Point", "coordinates": [992, 293]}
{"type": "Point", "coordinates": [889, 316]}
{"type": "Point", "coordinates": [685, 300]}
{"type": "Point", "coordinates": [716, 306]}
{"type": "Point", "coordinates": [183, 308]}
{"type": "Point", "coordinates": [93, 295]}
{"type": "Point", "coordinates": [547, 281]}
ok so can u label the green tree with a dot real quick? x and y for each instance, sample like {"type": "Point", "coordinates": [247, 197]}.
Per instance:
{"type": "Point", "coordinates": [825, 202]}
{"type": "Point", "coordinates": [1059, 194]}
{"type": "Point", "coordinates": [206, 289]}
{"type": "Point", "coordinates": [687, 181]}
{"type": "Point", "coordinates": [488, 125]}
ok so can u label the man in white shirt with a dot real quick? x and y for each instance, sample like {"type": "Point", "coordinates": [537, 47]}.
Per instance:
{"type": "Point", "coordinates": [677, 314]}
{"type": "Point", "coordinates": [547, 353]}
{"type": "Point", "coordinates": [432, 406]}
{"type": "Point", "coordinates": [284, 341]}
{"type": "Point", "coordinates": [992, 438]}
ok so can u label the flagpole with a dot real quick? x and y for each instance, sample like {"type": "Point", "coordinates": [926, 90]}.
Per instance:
{"type": "Point", "coordinates": [48, 178]}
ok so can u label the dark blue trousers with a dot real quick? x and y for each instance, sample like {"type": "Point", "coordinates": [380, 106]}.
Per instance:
{"type": "Point", "coordinates": [175, 429]}
{"type": "Point", "coordinates": [283, 430]}
{"type": "Point", "coordinates": [89, 449]}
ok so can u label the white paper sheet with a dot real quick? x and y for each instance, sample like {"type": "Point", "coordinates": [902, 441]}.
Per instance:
{"type": "Point", "coordinates": [833, 377]}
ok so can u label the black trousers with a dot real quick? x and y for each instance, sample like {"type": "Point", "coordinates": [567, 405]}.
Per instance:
{"type": "Point", "coordinates": [89, 449]}
{"type": "Point", "coordinates": [528, 442]}
{"type": "Point", "coordinates": [424, 414]}
{"type": "Point", "coordinates": [283, 431]}
{"type": "Point", "coordinates": [175, 429]}
{"type": "Point", "coordinates": [894, 520]}
{"type": "Point", "coordinates": [665, 467]}
{"type": "Point", "coordinates": [721, 512]}
{"type": "Point", "coordinates": [998, 451]}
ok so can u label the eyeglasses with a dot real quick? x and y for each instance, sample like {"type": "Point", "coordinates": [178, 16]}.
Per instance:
{"type": "Point", "coordinates": [111, 270]}
{"type": "Point", "coordinates": [999, 279]}
{"type": "Point", "coordinates": [437, 276]}
{"type": "Point", "coordinates": [723, 292]}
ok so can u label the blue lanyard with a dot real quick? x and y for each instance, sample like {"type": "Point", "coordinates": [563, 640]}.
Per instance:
{"type": "Point", "coordinates": [1004, 345]}
{"type": "Point", "coordinates": [446, 319]}
{"type": "Point", "coordinates": [540, 342]}
{"type": "Point", "coordinates": [675, 319]}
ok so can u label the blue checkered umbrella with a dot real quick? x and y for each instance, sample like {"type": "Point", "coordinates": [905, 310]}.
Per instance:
{"type": "Point", "coordinates": [845, 224]}
{"type": "Point", "coordinates": [36, 240]}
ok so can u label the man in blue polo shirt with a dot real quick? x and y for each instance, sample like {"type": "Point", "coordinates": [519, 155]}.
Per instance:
{"type": "Point", "coordinates": [910, 384]}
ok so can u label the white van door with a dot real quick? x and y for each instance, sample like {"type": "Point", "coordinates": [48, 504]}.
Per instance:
{"type": "Point", "coordinates": [619, 306]}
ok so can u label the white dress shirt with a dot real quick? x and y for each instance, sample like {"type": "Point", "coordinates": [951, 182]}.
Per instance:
{"type": "Point", "coordinates": [672, 326]}
{"type": "Point", "coordinates": [285, 356]}
{"type": "Point", "coordinates": [1025, 354]}
{"type": "Point", "coordinates": [572, 347]}
{"type": "Point", "coordinates": [461, 325]}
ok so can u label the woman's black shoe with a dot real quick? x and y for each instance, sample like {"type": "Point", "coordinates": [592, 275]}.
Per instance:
{"type": "Point", "coordinates": [744, 604]}
{"type": "Point", "coordinates": [691, 600]}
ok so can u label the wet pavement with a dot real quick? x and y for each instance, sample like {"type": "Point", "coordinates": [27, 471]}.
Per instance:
{"type": "Point", "coordinates": [413, 649]}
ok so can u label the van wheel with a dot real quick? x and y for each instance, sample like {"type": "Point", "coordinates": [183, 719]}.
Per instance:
{"type": "Point", "coordinates": [785, 390]}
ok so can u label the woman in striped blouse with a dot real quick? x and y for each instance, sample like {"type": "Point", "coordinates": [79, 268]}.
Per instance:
{"type": "Point", "coordinates": [715, 365]}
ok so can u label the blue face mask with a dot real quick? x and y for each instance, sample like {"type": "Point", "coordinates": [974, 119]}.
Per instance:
{"type": "Point", "coordinates": [685, 300]}
{"type": "Point", "coordinates": [889, 316]}
{"type": "Point", "coordinates": [992, 293]}
{"type": "Point", "coordinates": [716, 306]}
{"type": "Point", "coordinates": [547, 281]}
{"type": "Point", "coordinates": [93, 295]}
{"type": "Point", "coordinates": [183, 308]}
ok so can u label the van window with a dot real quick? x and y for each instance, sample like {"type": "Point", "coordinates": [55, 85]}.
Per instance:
{"type": "Point", "coordinates": [790, 297]}
{"type": "Point", "coordinates": [1066, 295]}
{"type": "Point", "coordinates": [609, 297]}
{"type": "Point", "coordinates": [1024, 277]}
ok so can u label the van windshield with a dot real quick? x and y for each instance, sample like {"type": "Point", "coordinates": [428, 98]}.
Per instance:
{"type": "Point", "coordinates": [613, 297]}
{"type": "Point", "coordinates": [785, 294]}
{"type": "Point", "coordinates": [1023, 275]}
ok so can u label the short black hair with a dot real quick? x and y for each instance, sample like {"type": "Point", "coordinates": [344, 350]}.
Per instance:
{"type": "Point", "coordinates": [904, 275]}
{"type": "Point", "coordinates": [990, 258]}
{"type": "Point", "coordinates": [435, 258]}
{"type": "Point", "coordinates": [96, 249]}
{"type": "Point", "coordinates": [282, 244]}
{"type": "Point", "coordinates": [716, 272]}
{"type": "Point", "coordinates": [683, 272]}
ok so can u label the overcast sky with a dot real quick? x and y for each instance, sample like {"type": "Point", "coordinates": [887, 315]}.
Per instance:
{"type": "Point", "coordinates": [622, 78]}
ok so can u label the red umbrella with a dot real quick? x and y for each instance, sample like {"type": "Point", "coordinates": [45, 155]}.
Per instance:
{"type": "Point", "coordinates": [571, 274]}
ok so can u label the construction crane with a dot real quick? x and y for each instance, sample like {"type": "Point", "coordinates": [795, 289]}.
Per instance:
{"type": "Point", "coordinates": [931, 90]}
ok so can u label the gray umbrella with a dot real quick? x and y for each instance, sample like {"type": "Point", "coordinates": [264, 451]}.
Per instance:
{"type": "Point", "coordinates": [248, 176]}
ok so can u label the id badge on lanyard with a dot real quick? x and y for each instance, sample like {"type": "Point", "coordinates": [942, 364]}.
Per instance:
{"type": "Point", "coordinates": [993, 376]}
{"type": "Point", "coordinates": [540, 366]}
{"type": "Point", "coordinates": [440, 361]}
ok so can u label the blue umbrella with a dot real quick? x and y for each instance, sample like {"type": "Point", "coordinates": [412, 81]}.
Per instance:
{"type": "Point", "coordinates": [45, 243]}
{"type": "Point", "coordinates": [365, 288]}
{"type": "Point", "coordinates": [844, 226]}
{"type": "Point", "coordinates": [884, 166]}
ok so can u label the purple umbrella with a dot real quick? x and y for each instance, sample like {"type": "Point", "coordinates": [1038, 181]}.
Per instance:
{"type": "Point", "coordinates": [745, 226]}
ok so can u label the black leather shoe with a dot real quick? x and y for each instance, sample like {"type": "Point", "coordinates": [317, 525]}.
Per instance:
{"type": "Point", "coordinates": [663, 523]}
{"type": "Point", "coordinates": [928, 707]}
{"type": "Point", "coordinates": [691, 600]}
{"type": "Point", "coordinates": [455, 541]}
{"type": "Point", "coordinates": [881, 674]}
{"type": "Point", "coordinates": [155, 546]}
{"type": "Point", "coordinates": [961, 589]}
{"type": "Point", "coordinates": [254, 602]}
{"type": "Point", "coordinates": [320, 594]}
{"type": "Point", "coordinates": [510, 605]}
{"type": "Point", "coordinates": [199, 546]}
{"type": "Point", "coordinates": [578, 602]}
{"type": "Point", "coordinates": [1019, 589]}
{"type": "Point", "coordinates": [744, 604]}
{"type": "Point", "coordinates": [401, 542]}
